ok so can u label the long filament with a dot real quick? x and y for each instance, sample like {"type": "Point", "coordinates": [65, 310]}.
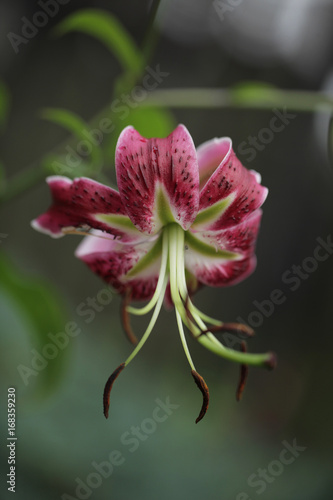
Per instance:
{"type": "Point", "coordinates": [151, 324]}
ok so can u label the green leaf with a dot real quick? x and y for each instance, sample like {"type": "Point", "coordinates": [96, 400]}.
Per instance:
{"type": "Point", "coordinates": [76, 125]}
{"type": "Point", "coordinates": [106, 28]}
{"type": "Point", "coordinates": [37, 305]}
{"type": "Point", "coordinates": [4, 104]}
{"type": "Point", "coordinates": [148, 121]}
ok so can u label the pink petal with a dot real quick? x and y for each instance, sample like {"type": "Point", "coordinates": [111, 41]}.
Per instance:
{"type": "Point", "coordinates": [112, 260]}
{"type": "Point", "coordinates": [149, 170]}
{"type": "Point", "coordinates": [77, 203]}
{"type": "Point", "coordinates": [214, 271]}
{"type": "Point", "coordinates": [238, 187]}
{"type": "Point", "coordinates": [210, 154]}
{"type": "Point", "coordinates": [240, 238]}
{"type": "Point", "coordinates": [219, 273]}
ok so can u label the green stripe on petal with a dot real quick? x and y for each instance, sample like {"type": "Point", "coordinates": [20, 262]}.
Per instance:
{"type": "Point", "coordinates": [163, 209]}
{"type": "Point", "coordinates": [208, 250]}
{"type": "Point", "coordinates": [214, 212]}
{"type": "Point", "coordinates": [147, 260]}
{"type": "Point", "coordinates": [117, 221]}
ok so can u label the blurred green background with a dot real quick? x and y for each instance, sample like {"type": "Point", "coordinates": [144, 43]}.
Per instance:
{"type": "Point", "coordinates": [61, 430]}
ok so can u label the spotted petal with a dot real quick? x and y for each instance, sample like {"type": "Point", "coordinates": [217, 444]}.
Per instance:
{"type": "Point", "coordinates": [210, 154]}
{"type": "Point", "coordinates": [158, 179]}
{"type": "Point", "coordinates": [84, 203]}
{"type": "Point", "coordinates": [225, 257]}
{"type": "Point", "coordinates": [232, 193]}
{"type": "Point", "coordinates": [240, 238]}
{"type": "Point", "coordinates": [126, 267]}
{"type": "Point", "coordinates": [218, 272]}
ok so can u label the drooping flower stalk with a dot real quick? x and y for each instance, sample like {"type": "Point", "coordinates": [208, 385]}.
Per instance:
{"type": "Point", "coordinates": [182, 218]}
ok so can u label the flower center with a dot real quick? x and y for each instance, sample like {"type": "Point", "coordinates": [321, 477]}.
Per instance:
{"type": "Point", "coordinates": [172, 269]}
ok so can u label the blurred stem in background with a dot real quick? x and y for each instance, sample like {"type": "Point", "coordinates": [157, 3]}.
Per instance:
{"type": "Point", "coordinates": [134, 60]}
{"type": "Point", "coordinates": [246, 96]}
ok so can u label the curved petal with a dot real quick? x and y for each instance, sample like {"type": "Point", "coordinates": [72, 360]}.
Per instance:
{"type": "Point", "coordinates": [126, 267]}
{"type": "Point", "coordinates": [158, 179]}
{"type": "Point", "coordinates": [226, 257]}
{"type": "Point", "coordinates": [84, 203]}
{"type": "Point", "coordinates": [229, 196]}
{"type": "Point", "coordinates": [219, 272]}
{"type": "Point", "coordinates": [210, 154]}
{"type": "Point", "coordinates": [240, 238]}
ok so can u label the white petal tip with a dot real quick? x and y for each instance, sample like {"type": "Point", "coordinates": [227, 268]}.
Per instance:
{"type": "Point", "coordinates": [55, 178]}
{"type": "Point", "coordinates": [256, 175]}
{"type": "Point", "coordinates": [35, 225]}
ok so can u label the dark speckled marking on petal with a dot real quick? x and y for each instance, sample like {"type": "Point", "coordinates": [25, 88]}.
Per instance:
{"type": "Point", "coordinates": [75, 203]}
{"type": "Point", "coordinates": [158, 161]}
{"type": "Point", "coordinates": [231, 177]}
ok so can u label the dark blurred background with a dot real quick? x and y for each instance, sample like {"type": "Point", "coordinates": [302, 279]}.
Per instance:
{"type": "Point", "coordinates": [61, 433]}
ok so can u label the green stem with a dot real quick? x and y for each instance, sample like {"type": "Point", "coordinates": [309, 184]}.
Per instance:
{"type": "Point", "coordinates": [211, 98]}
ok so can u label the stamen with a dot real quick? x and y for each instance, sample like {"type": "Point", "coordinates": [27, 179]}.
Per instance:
{"type": "Point", "coordinates": [176, 263]}
{"type": "Point", "coordinates": [201, 384]}
{"type": "Point", "coordinates": [244, 371]}
{"type": "Point", "coordinates": [126, 319]}
{"type": "Point", "coordinates": [236, 328]}
{"type": "Point", "coordinates": [202, 315]}
{"type": "Point", "coordinates": [266, 360]}
{"type": "Point", "coordinates": [78, 232]}
{"type": "Point", "coordinates": [108, 387]}
{"type": "Point", "coordinates": [151, 324]}
{"type": "Point", "coordinates": [190, 323]}
{"type": "Point", "coordinates": [112, 378]}
{"type": "Point", "coordinates": [179, 296]}
{"type": "Point", "coordinates": [183, 339]}
{"type": "Point", "coordinates": [158, 290]}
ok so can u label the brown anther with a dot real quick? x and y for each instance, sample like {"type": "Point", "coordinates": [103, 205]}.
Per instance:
{"type": "Point", "coordinates": [108, 387]}
{"type": "Point", "coordinates": [125, 318]}
{"type": "Point", "coordinates": [244, 371]}
{"type": "Point", "coordinates": [201, 384]}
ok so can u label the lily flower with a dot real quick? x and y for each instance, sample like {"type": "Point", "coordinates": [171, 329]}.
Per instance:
{"type": "Point", "coordinates": [182, 218]}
